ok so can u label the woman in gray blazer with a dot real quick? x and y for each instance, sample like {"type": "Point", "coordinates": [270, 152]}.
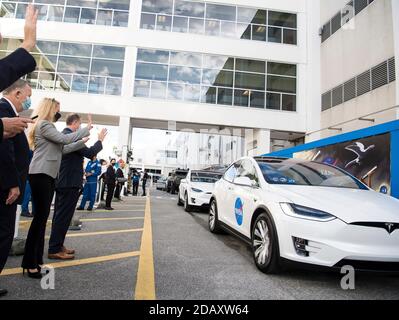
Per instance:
{"type": "Point", "coordinates": [48, 145]}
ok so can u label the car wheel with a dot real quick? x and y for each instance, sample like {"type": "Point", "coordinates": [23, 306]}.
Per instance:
{"type": "Point", "coordinates": [265, 245]}
{"type": "Point", "coordinates": [179, 202]}
{"type": "Point", "coordinates": [187, 207]}
{"type": "Point", "coordinates": [213, 221]}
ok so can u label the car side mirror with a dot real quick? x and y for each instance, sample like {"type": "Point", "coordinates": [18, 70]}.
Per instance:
{"type": "Point", "coordinates": [244, 181]}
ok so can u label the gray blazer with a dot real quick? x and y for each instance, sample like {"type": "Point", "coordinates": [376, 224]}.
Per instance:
{"type": "Point", "coordinates": [49, 147]}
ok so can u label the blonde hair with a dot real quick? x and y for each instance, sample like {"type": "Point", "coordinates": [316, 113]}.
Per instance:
{"type": "Point", "coordinates": [44, 111]}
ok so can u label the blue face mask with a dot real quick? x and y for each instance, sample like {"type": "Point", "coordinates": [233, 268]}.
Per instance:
{"type": "Point", "coordinates": [27, 104]}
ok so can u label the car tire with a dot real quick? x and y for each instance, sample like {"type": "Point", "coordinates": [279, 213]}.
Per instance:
{"type": "Point", "coordinates": [264, 234]}
{"type": "Point", "coordinates": [179, 202]}
{"type": "Point", "coordinates": [213, 221]}
{"type": "Point", "coordinates": [187, 207]}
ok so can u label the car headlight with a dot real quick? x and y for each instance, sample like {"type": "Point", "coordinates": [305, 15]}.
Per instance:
{"type": "Point", "coordinates": [196, 190]}
{"type": "Point", "coordinates": [298, 211]}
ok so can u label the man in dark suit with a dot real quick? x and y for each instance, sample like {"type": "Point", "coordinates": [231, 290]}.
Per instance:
{"type": "Point", "coordinates": [119, 175]}
{"type": "Point", "coordinates": [110, 179]}
{"type": "Point", "coordinates": [68, 186]}
{"type": "Point", "coordinates": [13, 67]}
{"type": "Point", "coordinates": [14, 165]}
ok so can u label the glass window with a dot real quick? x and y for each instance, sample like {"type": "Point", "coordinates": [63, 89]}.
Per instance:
{"type": "Point", "coordinates": [109, 52]}
{"type": "Point", "coordinates": [258, 32]}
{"type": "Point", "coordinates": [158, 90]}
{"type": "Point", "coordinates": [185, 74]}
{"type": "Point", "coordinates": [115, 4]}
{"type": "Point", "coordinates": [273, 101]}
{"type": "Point", "coordinates": [241, 98]}
{"type": "Point", "coordinates": [218, 62]}
{"type": "Point", "coordinates": [121, 19]}
{"type": "Point", "coordinates": [80, 3]}
{"type": "Point", "coordinates": [180, 24]}
{"type": "Point", "coordinates": [290, 36]}
{"type": "Point", "coordinates": [217, 78]}
{"type": "Point", "coordinates": [225, 96]}
{"type": "Point", "coordinates": [231, 172]}
{"type": "Point", "coordinates": [158, 6]}
{"type": "Point", "coordinates": [250, 65]}
{"type": "Point", "coordinates": [79, 83]}
{"type": "Point", "coordinates": [289, 102]}
{"type": "Point", "coordinates": [42, 12]}
{"type": "Point", "coordinates": [97, 85]}
{"type": "Point", "coordinates": [9, 11]}
{"type": "Point", "coordinates": [72, 14]}
{"type": "Point", "coordinates": [281, 84]}
{"type": "Point", "coordinates": [88, 16]}
{"type": "Point", "coordinates": [164, 23]}
{"type": "Point", "coordinates": [46, 80]}
{"type": "Point", "coordinates": [220, 12]}
{"type": "Point", "coordinates": [257, 99]}
{"type": "Point", "coordinates": [196, 26]}
{"type": "Point", "coordinates": [73, 65]}
{"type": "Point", "coordinates": [186, 59]}
{"type": "Point", "coordinates": [192, 93]}
{"type": "Point", "coordinates": [50, 47]}
{"type": "Point", "coordinates": [104, 17]}
{"type": "Point", "coordinates": [147, 21]}
{"type": "Point", "coordinates": [260, 17]}
{"type": "Point", "coordinates": [21, 11]}
{"type": "Point", "coordinates": [212, 27]}
{"type": "Point", "coordinates": [282, 69]}
{"type": "Point", "coordinates": [73, 49]}
{"type": "Point", "coordinates": [63, 82]}
{"type": "Point", "coordinates": [142, 88]}
{"type": "Point", "coordinates": [150, 71]}
{"type": "Point", "coordinates": [189, 9]}
{"type": "Point", "coordinates": [282, 19]}
{"type": "Point", "coordinates": [107, 68]}
{"type": "Point", "coordinates": [248, 170]}
{"type": "Point", "coordinates": [153, 56]}
{"type": "Point", "coordinates": [274, 35]}
{"type": "Point", "coordinates": [228, 29]}
{"type": "Point", "coordinates": [55, 13]}
{"type": "Point", "coordinates": [246, 15]}
{"type": "Point", "coordinates": [113, 86]}
{"type": "Point", "coordinates": [175, 91]}
{"type": "Point", "coordinates": [250, 80]}
{"type": "Point", "coordinates": [208, 95]}
{"type": "Point", "coordinates": [244, 32]}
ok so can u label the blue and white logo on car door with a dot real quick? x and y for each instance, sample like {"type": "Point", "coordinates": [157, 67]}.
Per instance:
{"type": "Point", "coordinates": [239, 211]}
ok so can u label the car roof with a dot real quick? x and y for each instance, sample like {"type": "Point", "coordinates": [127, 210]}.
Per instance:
{"type": "Point", "coordinates": [206, 171]}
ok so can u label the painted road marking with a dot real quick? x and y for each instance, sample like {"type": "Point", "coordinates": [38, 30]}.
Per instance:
{"type": "Point", "coordinates": [111, 219]}
{"type": "Point", "coordinates": [145, 285]}
{"type": "Point", "coordinates": [73, 263]}
{"type": "Point", "coordinates": [88, 234]}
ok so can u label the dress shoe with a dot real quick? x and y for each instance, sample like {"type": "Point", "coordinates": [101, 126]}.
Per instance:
{"type": "Point", "coordinates": [68, 251]}
{"type": "Point", "coordinates": [61, 256]}
{"type": "Point", "coordinates": [3, 292]}
{"type": "Point", "coordinates": [26, 214]}
{"type": "Point", "coordinates": [89, 209]}
{"type": "Point", "coordinates": [80, 209]}
{"type": "Point", "coordinates": [33, 274]}
{"type": "Point", "coordinates": [109, 208]}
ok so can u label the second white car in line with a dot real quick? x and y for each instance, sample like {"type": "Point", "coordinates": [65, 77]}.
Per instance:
{"type": "Point", "coordinates": [196, 190]}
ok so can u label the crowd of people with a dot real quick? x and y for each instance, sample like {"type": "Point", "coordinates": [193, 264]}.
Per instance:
{"type": "Point", "coordinates": [43, 164]}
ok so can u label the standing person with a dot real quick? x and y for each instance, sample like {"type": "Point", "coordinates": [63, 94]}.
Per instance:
{"type": "Point", "coordinates": [14, 166]}
{"type": "Point", "coordinates": [92, 172]}
{"type": "Point", "coordinates": [145, 178]}
{"type": "Point", "coordinates": [110, 179]}
{"type": "Point", "coordinates": [101, 179]}
{"type": "Point", "coordinates": [47, 145]}
{"type": "Point", "coordinates": [68, 186]}
{"type": "Point", "coordinates": [27, 197]}
{"type": "Point", "coordinates": [136, 181]}
{"type": "Point", "coordinates": [120, 176]}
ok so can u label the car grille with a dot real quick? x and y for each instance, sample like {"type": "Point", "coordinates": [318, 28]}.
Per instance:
{"type": "Point", "coordinates": [369, 265]}
{"type": "Point", "coordinates": [389, 227]}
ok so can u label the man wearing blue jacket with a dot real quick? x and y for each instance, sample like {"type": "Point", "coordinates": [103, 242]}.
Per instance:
{"type": "Point", "coordinates": [92, 172]}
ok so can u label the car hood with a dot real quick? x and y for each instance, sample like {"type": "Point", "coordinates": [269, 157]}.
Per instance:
{"type": "Point", "coordinates": [206, 187]}
{"type": "Point", "coordinates": [349, 205]}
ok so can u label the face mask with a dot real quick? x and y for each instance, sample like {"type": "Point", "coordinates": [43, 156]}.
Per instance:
{"type": "Point", "coordinates": [27, 104]}
{"type": "Point", "coordinates": [57, 116]}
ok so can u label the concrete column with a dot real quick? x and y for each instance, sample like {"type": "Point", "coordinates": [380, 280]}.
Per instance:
{"type": "Point", "coordinates": [124, 139]}
{"type": "Point", "coordinates": [257, 142]}
{"type": "Point", "coordinates": [395, 15]}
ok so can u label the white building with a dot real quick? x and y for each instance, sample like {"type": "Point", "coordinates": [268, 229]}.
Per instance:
{"type": "Point", "coordinates": [255, 67]}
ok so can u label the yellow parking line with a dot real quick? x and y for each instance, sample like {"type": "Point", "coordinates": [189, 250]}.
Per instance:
{"type": "Point", "coordinates": [114, 211]}
{"type": "Point", "coordinates": [88, 234]}
{"type": "Point", "coordinates": [145, 285]}
{"type": "Point", "coordinates": [111, 219]}
{"type": "Point", "coordinates": [73, 263]}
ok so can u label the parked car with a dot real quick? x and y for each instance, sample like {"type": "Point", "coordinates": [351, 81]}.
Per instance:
{"type": "Point", "coordinates": [196, 189]}
{"type": "Point", "coordinates": [306, 212]}
{"type": "Point", "coordinates": [161, 183]}
{"type": "Point", "coordinates": [174, 180]}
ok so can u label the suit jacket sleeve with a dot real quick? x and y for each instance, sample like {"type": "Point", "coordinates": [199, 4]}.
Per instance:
{"type": "Point", "coordinates": [50, 132]}
{"type": "Point", "coordinates": [14, 66]}
{"type": "Point", "coordinates": [1, 131]}
{"type": "Point", "coordinates": [89, 153]}
{"type": "Point", "coordinates": [8, 170]}
{"type": "Point", "coordinates": [72, 147]}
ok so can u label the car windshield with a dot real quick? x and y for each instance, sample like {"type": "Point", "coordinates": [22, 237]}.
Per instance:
{"type": "Point", "coordinates": [205, 177]}
{"type": "Point", "coordinates": [307, 173]}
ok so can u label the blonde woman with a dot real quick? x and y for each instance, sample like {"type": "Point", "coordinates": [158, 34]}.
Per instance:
{"type": "Point", "coordinates": [47, 144]}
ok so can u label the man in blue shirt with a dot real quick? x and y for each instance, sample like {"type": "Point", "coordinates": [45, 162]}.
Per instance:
{"type": "Point", "coordinates": [92, 172]}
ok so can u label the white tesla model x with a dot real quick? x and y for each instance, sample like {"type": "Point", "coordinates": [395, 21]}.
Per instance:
{"type": "Point", "coordinates": [307, 212]}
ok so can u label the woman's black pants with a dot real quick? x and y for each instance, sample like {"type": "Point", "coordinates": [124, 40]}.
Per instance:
{"type": "Point", "coordinates": [42, 195]}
